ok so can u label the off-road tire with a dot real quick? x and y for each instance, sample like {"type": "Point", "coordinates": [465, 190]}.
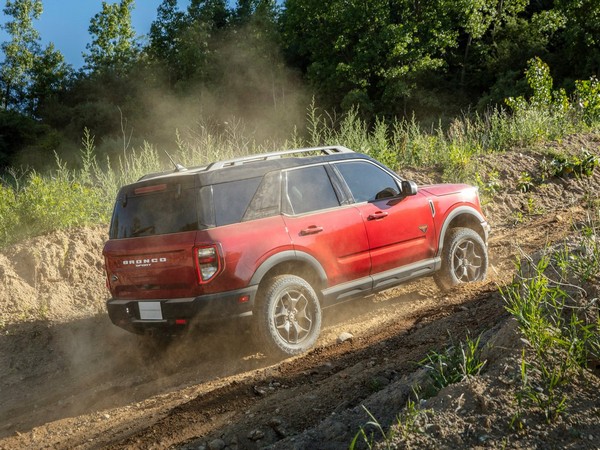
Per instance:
{"type": "Point", "coordinates": [287, 317]}
{"type": "Point", "coordinates": [464, 259]}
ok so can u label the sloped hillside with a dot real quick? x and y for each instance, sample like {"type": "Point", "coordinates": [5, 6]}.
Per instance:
{"type": "Point", "coordinates": [70, 379]}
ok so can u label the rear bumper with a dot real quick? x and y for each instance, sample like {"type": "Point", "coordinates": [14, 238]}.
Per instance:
{"type": "Point", "coordinates": [176, 314]}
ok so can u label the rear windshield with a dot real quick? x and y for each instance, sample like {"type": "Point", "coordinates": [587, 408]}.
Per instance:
{"type": "Point", "coordinates": [168, 211]}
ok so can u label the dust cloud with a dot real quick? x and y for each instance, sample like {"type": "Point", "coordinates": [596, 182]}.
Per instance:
{"type": "Point", "coordinates": [255, 101]}
{"type": "Point", "coordinates": [60, 355]}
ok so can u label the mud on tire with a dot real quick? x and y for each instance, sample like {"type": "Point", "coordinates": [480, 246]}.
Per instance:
{"type": "Point", "coordinates": [464, 259]}
{"type": "Point", "coordinates": [287, 316]}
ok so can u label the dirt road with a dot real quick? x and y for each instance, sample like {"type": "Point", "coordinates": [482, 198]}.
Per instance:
{"type": "Point", "coordinates": [86, 384]}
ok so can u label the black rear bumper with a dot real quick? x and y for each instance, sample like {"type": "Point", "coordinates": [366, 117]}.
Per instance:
{"type": "Point", "coordinates": [177, 313]}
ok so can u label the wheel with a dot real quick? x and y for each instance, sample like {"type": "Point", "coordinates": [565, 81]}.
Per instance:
{"type": "Point", "coordinates": [288, 316]}
{"type": "Point", "coordinates": [464, 259]}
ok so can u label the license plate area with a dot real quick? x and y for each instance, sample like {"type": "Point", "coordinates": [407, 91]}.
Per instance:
{"type": "Point", "coordinates": [150, 311]}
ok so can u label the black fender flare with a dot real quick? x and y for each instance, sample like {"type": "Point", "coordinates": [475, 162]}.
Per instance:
{"type": "Point", "coordinates": [288, 256]}
{"type": "Point", "coordinates": [461, 210]}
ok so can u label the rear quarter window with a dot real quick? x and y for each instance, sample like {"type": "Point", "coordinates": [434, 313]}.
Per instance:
{"type": "Point", "coordinates": [231, 200]}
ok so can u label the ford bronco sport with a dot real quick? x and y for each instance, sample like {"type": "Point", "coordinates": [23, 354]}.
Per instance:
{"type": "Point", "coordinates": [278, 237]}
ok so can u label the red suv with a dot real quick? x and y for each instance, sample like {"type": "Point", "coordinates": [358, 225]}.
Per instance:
{"type": "Point", "coordinates": [278, 237]}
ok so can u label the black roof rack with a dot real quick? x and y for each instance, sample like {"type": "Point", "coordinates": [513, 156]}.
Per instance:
{"type": "Point", "coordinates": [325, 150]}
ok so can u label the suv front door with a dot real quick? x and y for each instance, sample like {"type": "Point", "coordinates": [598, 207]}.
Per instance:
{"type": "Point", "coordinates": [320, 226]}
{"type": "Point", "coordinates": [400, 229]}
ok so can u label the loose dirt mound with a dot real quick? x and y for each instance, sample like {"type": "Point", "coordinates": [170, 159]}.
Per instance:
{"type": "Point", "coordinates": [58, 277]}
{"type": "Point", "coordinates": [70, 379]}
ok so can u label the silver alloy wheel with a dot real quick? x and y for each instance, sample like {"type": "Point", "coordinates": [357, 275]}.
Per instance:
{"type": "Point", "coordinates": [467, 262]}
{"type": "Point", "coordinates": [292, 317]}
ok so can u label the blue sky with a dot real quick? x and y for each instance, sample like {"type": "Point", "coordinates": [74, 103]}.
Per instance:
{"type": "Point", "coordinates": [66, 23]}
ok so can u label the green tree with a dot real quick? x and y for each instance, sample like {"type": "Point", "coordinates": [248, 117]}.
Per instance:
{"type": "Point", "coordinates": [214, 13]}
{"type": "Point", "coordinates": [182, 44]}
{"type": "Point", "coordinates": [198, 53]}
{"type": "Point", "coordinates": [164, 41]}
{"type": "Point", "coordinates": [501, 54]}
{"type": "Point", "coordinates": [20, 51]}
{"type": "Point", "coordinates": [50, 78]}
{"type": "Point", "coordinates": [371, 54]}
{"type": "Point", "coordinates": [579, 43]}
{"type": "Point", "coordinates": [113, 48]}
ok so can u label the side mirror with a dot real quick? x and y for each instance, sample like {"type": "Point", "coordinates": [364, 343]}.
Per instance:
{"type": "Point", "coordinates": [409, 188]}
{"type": "Point", "coordinates": [388, 192]}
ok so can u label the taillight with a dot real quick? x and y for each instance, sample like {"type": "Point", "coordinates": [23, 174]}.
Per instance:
{"type": "Point", "coordinates": [208, 262]}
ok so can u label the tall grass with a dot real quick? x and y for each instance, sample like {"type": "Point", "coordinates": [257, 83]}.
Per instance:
{"type": "Point", "coordinates": [558, 320]}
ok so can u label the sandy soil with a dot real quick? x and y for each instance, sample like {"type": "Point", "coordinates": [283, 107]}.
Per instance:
{"type": "Point", "coordinates": [70, 379]}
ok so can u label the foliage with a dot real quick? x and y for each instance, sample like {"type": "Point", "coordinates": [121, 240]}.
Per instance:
{"type": "Point", "coordinates": [547, 111]}
{"type": "Point", "coordinates": [363, 54]}
{"type": "Point", "coordinates": [559, 336]}
{"type": "Point", "coordinates": [587, 94]}
{"type": "Point", "coordinates": [9, 222]}
{"type": "Point", "coordinates": [20, 52]}
{"type": "Point", "coordinates": [20, 132]}
{"type": "Point", "coordinates": [413, 419]}
{"type": "Point", "coordinates": [388, 62]}
{"type": "Point", "coordinates": [489, 184]}
{"type": "Point", "coordinates": [50, 78]}
{"type": "Point", "coordinates": [455, 363]}
{"type": "Point", "coordinates": [581, 165]}
{"type": "Point", "coordinates": [525, 182]}
{"type": "Point", "coordinates": [43, 203]}
{"type": "Point", "coordinates": [113, 47]}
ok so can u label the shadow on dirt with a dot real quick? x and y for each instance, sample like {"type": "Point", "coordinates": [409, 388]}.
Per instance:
{"type": "Point", "coordinates": [52, 371]}
{"type": "Point", "coordinates": [332, 381]}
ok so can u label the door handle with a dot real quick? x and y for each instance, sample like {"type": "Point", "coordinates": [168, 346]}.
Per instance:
{"type": "Point", "coordinates": [377, 216]}
{"type": "Point", "coordinates": [313, 229]}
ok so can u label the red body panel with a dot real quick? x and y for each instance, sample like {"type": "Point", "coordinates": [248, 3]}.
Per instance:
{"type": "Point", "coordinates": [400, 232]}
{"type": "Point", "coordinates": [245, 247]}
{"type": "Point", "coordinates": [151, 267]}
{"type": "Point", "coordinates": [242, 247]}
{"type": "Point", "coordinates": [336, 238]}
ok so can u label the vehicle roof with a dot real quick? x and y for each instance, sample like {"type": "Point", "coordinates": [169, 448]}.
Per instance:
{"type": "Point", "coordinates": [248, 167]}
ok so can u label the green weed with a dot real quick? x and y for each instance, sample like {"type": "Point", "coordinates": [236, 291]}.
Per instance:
{"type": "Point", "coordinates": [559, 336]}
{"type": "Point", "coordinates": [413, 419]}
{"type": "Point", "coordinates": [455, 363]}
{"type": "Point", "coordinates": [525, 182]}
{"type": "Point", "coordinates": [489, 185]}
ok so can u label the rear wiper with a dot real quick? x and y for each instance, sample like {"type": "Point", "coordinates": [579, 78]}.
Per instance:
{"type": "Point", "coordinates": [142, 231]}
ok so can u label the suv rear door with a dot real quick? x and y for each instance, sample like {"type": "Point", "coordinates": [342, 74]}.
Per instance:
{"type": "Point", "coordinates": [400, 229]}
{"type": "Point", "coordinates": [152, 234]}
{"type": "Point", "coordinates": [319, 225]}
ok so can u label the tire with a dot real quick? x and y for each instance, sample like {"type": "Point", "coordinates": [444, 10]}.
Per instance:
{"type": "Point", "coordinates": [288, 316]}
{"type": "Point", "coordinates": [464, 259]}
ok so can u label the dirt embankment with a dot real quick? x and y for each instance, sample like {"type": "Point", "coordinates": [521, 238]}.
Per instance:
{"type": "Point", "coordinates": [70, 379]}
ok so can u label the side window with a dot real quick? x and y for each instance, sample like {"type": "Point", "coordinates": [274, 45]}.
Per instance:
{"type": "Point", "coordinates": [309, 189]}
{"type": "Point", "coordinates": [231, 200]}
{"type": "Point", "coordinates": [366, 181]}
{"type": "Point", "coordinates": [267, 199]}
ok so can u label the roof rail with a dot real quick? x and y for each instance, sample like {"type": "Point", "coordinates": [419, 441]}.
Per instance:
{"type": "Point", "coordinates": [325, 150]}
